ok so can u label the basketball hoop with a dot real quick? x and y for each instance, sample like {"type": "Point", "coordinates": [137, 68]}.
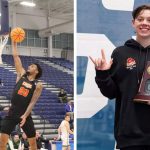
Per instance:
{"type": "Point", "coordinates": [3, 42]}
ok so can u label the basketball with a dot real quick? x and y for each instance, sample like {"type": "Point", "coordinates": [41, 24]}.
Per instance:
{"type": "Point", "coordinates": [17, 34]}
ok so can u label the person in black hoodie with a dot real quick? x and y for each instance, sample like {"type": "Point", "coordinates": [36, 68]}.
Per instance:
{"type": "Point", "coordinates": [120, 79]}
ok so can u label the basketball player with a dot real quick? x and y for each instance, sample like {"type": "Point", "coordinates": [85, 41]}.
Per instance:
{"type": "Point", "coordinates": [25, 95]}
{"type": "Point", "coordinates": [64, 131]}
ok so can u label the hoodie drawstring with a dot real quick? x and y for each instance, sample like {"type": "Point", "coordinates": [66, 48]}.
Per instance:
{"type": "Point", "coordinates": [138, 63]}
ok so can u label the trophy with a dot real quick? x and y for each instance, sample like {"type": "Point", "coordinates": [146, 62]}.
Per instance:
{"type": "Point", "coordinates": [143, 95]}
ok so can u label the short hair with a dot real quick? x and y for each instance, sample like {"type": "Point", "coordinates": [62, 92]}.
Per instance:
{"type": "Point", "coordinates": [67, 115]}
{"type": "Point", "coordinates": [39, 71]}
{"type": "Point", "coordinates": [137, 10]}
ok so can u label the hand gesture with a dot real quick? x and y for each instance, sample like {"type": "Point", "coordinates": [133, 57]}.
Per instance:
{"type": "Point", "coordinates": [101, 63]}
{"type": "Point", "coordinates": [23, 117]}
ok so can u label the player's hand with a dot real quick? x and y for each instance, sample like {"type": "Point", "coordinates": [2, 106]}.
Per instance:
{"type": "Point", "coordinates": [23, 117]}
{"type": "Point", "coordinates": [101, 63]}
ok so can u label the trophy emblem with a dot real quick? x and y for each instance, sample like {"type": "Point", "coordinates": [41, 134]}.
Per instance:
{"type": "Point", "coordinates": [143, 94]}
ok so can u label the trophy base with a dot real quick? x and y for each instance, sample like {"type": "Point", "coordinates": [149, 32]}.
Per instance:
{"type": "Point", "coordinates": [142, 99]}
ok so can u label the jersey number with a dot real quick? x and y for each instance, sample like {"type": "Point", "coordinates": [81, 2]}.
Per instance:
{"type": "Point", "coordinates": [23, 91]}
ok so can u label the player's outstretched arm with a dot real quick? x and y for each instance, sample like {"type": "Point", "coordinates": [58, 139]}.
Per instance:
{"type": "Point", "coordinates": [18, 64]}
{"type": "Point", "coordinates": [34, 99]}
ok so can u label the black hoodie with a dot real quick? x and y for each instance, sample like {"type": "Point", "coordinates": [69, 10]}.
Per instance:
{"type": "Point", "coordinates": [132, 119]}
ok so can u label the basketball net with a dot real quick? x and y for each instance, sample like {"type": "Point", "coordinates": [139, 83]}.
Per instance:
{"type": "Point", "coordinates": [3, 42]}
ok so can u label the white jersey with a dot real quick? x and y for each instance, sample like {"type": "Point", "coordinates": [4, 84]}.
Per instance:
{"type": "Point", "coordinates": [64, 133]}
{"type": "Point", "coordinates": [63, 129]}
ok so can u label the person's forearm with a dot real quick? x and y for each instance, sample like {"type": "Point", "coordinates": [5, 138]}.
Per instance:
{"type": "Point", "coordinates": [106, 84]}
{"type": "Point", "coordinates": [15, 52]}
{"type": "Point", "coordinates": [29, 109]}
{"type": "Point", "coordinates": [34, 99]}
{"type": "Point", "coordinates": [17, 61]}
{"type": "Point", "coordinates": [68, 129]}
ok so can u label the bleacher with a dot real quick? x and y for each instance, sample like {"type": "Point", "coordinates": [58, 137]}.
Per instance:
{"type": "Point", "coordinates": [62, 62]}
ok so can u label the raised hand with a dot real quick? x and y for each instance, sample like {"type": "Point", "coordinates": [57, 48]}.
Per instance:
{"type": "Point", "coordinates": [101, 63]}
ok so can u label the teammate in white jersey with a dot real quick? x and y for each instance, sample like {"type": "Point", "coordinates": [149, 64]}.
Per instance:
{"type": "Point", "coordinates": [64, 131]}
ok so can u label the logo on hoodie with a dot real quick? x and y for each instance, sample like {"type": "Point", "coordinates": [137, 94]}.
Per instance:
{"type": "Point", "coordinates": [130, 63]}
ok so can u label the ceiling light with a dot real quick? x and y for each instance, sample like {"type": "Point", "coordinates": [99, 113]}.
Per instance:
{"type": "Point", "coordinates": [0, 14]}
{"type": "Point", "coordinates": [27, 3]}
